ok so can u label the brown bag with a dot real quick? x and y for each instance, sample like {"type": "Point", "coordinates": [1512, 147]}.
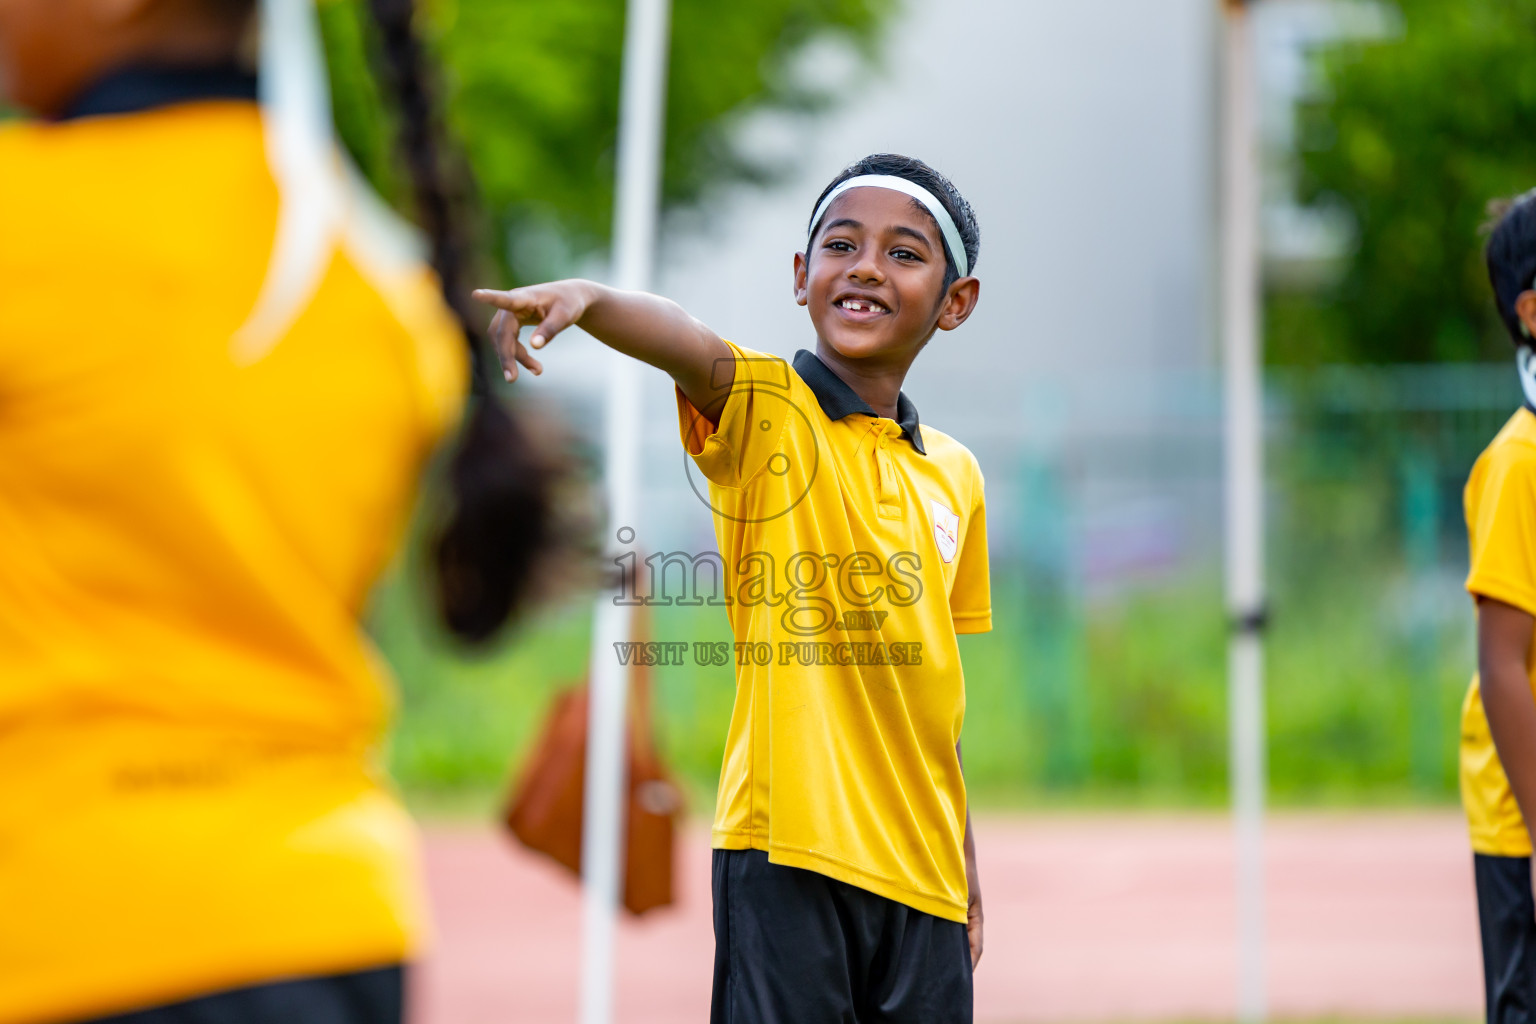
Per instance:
{"type": "Point", "coordinates": [545, 812]}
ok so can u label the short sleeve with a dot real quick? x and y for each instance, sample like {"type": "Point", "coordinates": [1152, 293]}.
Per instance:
{"type": "Point", "coordinates": [751, 423]}
{"type": "Point", "coordinates": [970, 598]}
{"type": "Point", "coordinates": [1503, 535]}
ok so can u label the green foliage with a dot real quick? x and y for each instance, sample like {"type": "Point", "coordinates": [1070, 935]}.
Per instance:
{"type": "Point", "coordinates": [363, 119]}
{"type": "Point", "coordinates": [533, 92]}
{"type": "Point", "coordinates": [1412, 136]}
{"type": "Point", "coordinates": [1345, 694]}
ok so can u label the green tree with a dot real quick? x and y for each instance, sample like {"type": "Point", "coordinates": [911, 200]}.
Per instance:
{"type": "Point", "coordinates": [533, 93]}
{"type": "Point", "coordinates": [1412, 136]}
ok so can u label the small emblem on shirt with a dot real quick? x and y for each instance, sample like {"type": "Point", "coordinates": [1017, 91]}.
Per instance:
{"type": "Point", "coordinates": [946, 530]}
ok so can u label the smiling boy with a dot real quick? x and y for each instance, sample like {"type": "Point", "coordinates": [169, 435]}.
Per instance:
{"type": "Point", "coordinates": [845, 878]}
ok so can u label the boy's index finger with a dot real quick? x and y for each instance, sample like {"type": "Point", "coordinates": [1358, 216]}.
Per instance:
{"type": "Point", "coordinates": [507, 300]}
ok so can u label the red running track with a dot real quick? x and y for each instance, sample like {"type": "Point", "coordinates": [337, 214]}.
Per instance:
{"type": "Point", "coordinates": [1094, 918]}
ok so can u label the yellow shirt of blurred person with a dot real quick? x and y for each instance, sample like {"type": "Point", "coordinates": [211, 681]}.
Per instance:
{"type": "Point", "coordinates": [189, 709]}
{"type": "Point", "coordinates": [1500, 504]}
{"type": "Point", "coordinates": [854, 550]}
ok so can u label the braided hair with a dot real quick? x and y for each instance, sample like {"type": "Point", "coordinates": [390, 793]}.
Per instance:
{"type": "Point", "coordinates": [501, 521]}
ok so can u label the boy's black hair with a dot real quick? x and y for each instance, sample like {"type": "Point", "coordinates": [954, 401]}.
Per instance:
{"type": "Point", "coordinates": [1511, 255]}
{"type": "Point", "coordinates": [919, 173]}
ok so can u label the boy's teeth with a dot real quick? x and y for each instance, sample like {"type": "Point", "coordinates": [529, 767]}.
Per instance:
{"type": "Point", "coordinates": [860, 306]}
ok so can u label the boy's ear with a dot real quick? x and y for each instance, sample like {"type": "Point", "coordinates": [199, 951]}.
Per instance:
{"type": "Point", "coordinates": [959, 302]}
{"type": "Point", "coordinates": [1525, 309]}
{"type": "Point", "coordinates": [802, 286]}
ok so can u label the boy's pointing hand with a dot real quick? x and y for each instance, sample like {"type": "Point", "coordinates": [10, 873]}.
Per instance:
{"type": "Point", "coordinates": [642, 326]}
{"type": "Point", "coordinates": [548, 308]}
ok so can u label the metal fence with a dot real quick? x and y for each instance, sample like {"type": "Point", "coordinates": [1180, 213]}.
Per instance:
{"type": "Point", "coordinates": [1106, 668]}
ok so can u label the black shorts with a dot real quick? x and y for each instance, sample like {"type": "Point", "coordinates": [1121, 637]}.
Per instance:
{"type": "Point", "coordinates": [1506, 914]}
{"type": "Point", "coordinates": [796, 947]}
{"type": "Point", "coordinates": [362, 997]}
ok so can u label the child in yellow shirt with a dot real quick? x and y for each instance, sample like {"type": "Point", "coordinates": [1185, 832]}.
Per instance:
{"type": "Point", "coordinates": [1498, 728]}
{"type": "Point", "coordinates": [213, 421]}
{"type": "Point", "coordinates": [854, 544]}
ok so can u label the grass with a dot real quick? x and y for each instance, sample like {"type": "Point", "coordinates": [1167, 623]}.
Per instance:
{"type": "Point", "coordinates": [1113, 702]}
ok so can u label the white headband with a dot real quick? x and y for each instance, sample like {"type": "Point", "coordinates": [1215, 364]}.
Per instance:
{"type": "Point", "coordinates": [946, 222]}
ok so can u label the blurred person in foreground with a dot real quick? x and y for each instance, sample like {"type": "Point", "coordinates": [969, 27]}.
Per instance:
{"type": "Point", "coordinates": [855, 550]}
{"type": "Point", "coordinates": [207, 458]}
{"type": "Point", "coordinates": [1498, 726]}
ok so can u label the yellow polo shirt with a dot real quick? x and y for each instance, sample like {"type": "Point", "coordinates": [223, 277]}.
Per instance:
{"type": "Point", "coordinates": [854, 550]}
{"type": "Point", "coordinates": [1500, 502]}
{"type": "Point", "coordinates": [189, 709]}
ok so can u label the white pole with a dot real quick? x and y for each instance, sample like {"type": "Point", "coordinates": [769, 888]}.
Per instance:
{"type": "Point", "coordinates": [1244, 478]}
{"type": "Point", "coordinates": [637, 193]}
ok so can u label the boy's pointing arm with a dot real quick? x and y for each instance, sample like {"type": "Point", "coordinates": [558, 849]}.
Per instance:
{"type": "Point", "coordinates": [646, 327]}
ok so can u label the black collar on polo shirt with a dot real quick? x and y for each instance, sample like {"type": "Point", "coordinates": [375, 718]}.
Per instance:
{"type": "Point", "coordinates": [837, 399]}
{"type": "Point", "coordinates": [134, 88]}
